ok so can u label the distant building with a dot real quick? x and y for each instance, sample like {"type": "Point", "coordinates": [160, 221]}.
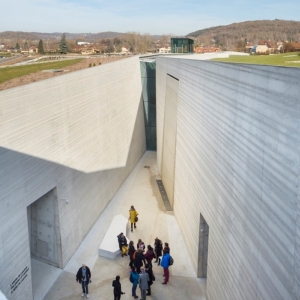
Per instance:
{"type": "Point", "coordinates": [164, 50]}
{"type": "Point", "coordinates": [124, 50]}
{"type": "Point", "coordinates": [296, 46]}
{"type": "Point", "coordinates": [206, 49]}
{"type": "Point", "coordinates": [182, 45]}
{"type": "Point", "coordinates": [249, 46]}
{"type": "Point", "coordinates": [265, 46]}
{"type": "Point", "coordinates": [1, 46]}
{"type": "Point", "coordinates": [83, 43]}
{"type": "Point", "coordinates": [33, 49]}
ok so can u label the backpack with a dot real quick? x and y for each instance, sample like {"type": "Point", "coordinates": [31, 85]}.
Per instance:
{"type": "Point", "coordinates": [171, 262]}
{"type": "Point", "coordinates": [130, 278]}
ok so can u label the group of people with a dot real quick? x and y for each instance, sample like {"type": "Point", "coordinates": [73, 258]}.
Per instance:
{"type": "Point", "coordinates": [140, 262]}
{"type": "Point", "coordinates": [141, 265]}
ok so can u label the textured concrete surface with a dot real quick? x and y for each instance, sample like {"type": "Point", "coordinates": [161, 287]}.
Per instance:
{"type": "Point", "coordinates": [83, 120]}
{"type": "Point", "coordinates": [140, 189]}
{"type": "Point", "coordinates": [237, 163]}
{"type": "Point", "coordinates": [26, 178]}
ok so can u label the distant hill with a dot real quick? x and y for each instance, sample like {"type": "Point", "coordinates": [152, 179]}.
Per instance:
{"type": "Point", "coordinates": [228, 36]}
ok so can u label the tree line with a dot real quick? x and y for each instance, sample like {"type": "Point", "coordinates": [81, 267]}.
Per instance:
{"type": "Point", "coordinates": [133, 41]}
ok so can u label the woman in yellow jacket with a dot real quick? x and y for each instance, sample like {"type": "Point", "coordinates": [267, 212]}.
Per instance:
{"type": "Point", "coordinates": [133, 217]}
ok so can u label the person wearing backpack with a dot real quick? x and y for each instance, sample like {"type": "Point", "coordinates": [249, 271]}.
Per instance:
{"type": "Point", "coordinates": [165, 263]}
{"type": "Point", "coordinates": [134, 279]}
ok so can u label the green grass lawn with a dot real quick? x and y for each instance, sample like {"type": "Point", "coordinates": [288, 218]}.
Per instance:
{"type": "Point", "coordinates": [285, 59]}
{"type": "Point", "coordinates": [8, 73]}
{"type": "Point", "coordinates": [6, 54]}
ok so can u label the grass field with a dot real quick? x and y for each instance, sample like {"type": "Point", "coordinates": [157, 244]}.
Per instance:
{"type": "Point", "coordinates": [285, 59]}
{"type": "Point", "coordinates": [9, 73]}
{"type": "Point", "coordinates": [6, 54]}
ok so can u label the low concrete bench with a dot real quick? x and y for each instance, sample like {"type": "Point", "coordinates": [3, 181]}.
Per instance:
{"type": "Point", "coordinates": [109, 247]}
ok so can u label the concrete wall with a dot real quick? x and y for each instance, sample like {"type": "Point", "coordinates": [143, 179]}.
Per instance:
{"type": "Point", "coordinates": [88, 115]}
{"type": "Point", "coordinates": [169, 141]}
{"type": "Point", "coordinates": [237, 163]}
{"type": "Point", "coordinates": [25, 178]}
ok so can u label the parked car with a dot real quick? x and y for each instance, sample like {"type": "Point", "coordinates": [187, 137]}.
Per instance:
{"type": "Point", "coordinates": [253, 49]}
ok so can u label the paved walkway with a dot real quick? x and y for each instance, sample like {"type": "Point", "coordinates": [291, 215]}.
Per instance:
{"type": "Point", "coordinates": [140, 189]}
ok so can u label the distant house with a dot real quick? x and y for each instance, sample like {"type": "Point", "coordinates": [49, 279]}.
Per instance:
{"type": "Point", "coordinates": [266, 46]}
{"type": "Point", "coordinates": [206, 49]}
{"type": "Point", "coordinates": [296, 46]}
{"type": "Point", "coordinates": [164, 50]}
{"type": "Point", "coordinates": [90, 50]}
{"type": "Point", "coordinates": [10, 50]}
{"type": "Point", "coordinates": [83, 43]}
{"type": "Point", "coordinates": [124, 50]}
{"type": "Point", "coordinates": [1, 46]}
{"type": "Point", "coordinates": [33, 49]}
{"type": "Point", "coordinates": [249, 46]}
{"type": "Point", "coordinates": [85, 49]}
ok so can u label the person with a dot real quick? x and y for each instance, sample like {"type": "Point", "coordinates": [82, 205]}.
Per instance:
{"type": "Point", "coordinates": [157, 248]}
{"type": "Point", "coordinates": [143, 281]}
{"type": "Point", "coordinates": [134, 278]}
{"type": "Point", "coordinates": [131, 251]}
{"type": "Point", "coordinates": [165, 263]}
{"type": "Point", "coordinates": [84, 276]}
{"type": "Point", "coordinates": [132, 215]}
{"type": "Point", "coordinates": [166, 248]}
{"type": "Point", "coordinates": [149, 271]}
{"type": "Point", "coordinates": [149, 255]}
{"type": "Point", "coordinates": [140, 245]}
{"type": "Point", "coordinates": [138, 260]}
{"type": "Point", "coordinates": [122, 244]}
{"type": "Point", "coordinates": [117, 288]}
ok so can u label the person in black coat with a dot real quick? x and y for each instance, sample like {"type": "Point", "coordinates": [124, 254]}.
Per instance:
{"type": "Point", "coordinates": [117, 288]}
{"type": "Point", "coordinates": [122, 242]}
{"type": "Point", "coordinates": [131, 251]}
{"type": "Point", "coordinates": [83, 276]}
{"type": "Point", "coordinates": [149, 271]}
{"type": "Point", "coordinates": [157, 248]}
{"type": "Point", "coordinates": [138, 261]}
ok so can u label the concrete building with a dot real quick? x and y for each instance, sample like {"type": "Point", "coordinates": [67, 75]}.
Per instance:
{"type": "Point", "coordinates": [67, 145]}
{"type": "Point", "coordinates": [227, 152]}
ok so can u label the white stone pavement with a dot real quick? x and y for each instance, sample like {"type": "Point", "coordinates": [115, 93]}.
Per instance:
{"type": "Point", "coordinates": [139, 189]}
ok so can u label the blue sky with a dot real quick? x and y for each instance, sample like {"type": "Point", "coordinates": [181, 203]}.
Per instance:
{"type": "Point", "coordinates": [154, 17]}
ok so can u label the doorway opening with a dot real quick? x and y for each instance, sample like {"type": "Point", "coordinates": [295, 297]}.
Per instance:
{"type": "Point", "coordinates": [203, 248]}
{"type": "Point", "coordinates": [43, 229]}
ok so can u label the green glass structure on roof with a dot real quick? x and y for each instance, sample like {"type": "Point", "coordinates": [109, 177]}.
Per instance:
{"type": "Point", "coordinates": [182, 45]}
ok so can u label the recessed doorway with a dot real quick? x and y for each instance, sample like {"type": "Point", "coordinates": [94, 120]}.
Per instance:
{"type": "Point", "coordinates": [43, 228]}
{"type": "Point", "coordinates": [203, 248]}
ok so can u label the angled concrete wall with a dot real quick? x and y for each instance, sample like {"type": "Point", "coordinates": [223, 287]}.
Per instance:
{"type": "Point", "coordinates": [237, 163]}
{"type": "Point", "coordinates": [25, 178]}
{"type": "Point", "coordinates": [83, 120]}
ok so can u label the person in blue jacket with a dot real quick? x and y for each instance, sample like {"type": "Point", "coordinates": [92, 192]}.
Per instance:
{"type": "Point", "coordinates": [165, 263]}
{"type": "Point", "coordinates": [134, 279]}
